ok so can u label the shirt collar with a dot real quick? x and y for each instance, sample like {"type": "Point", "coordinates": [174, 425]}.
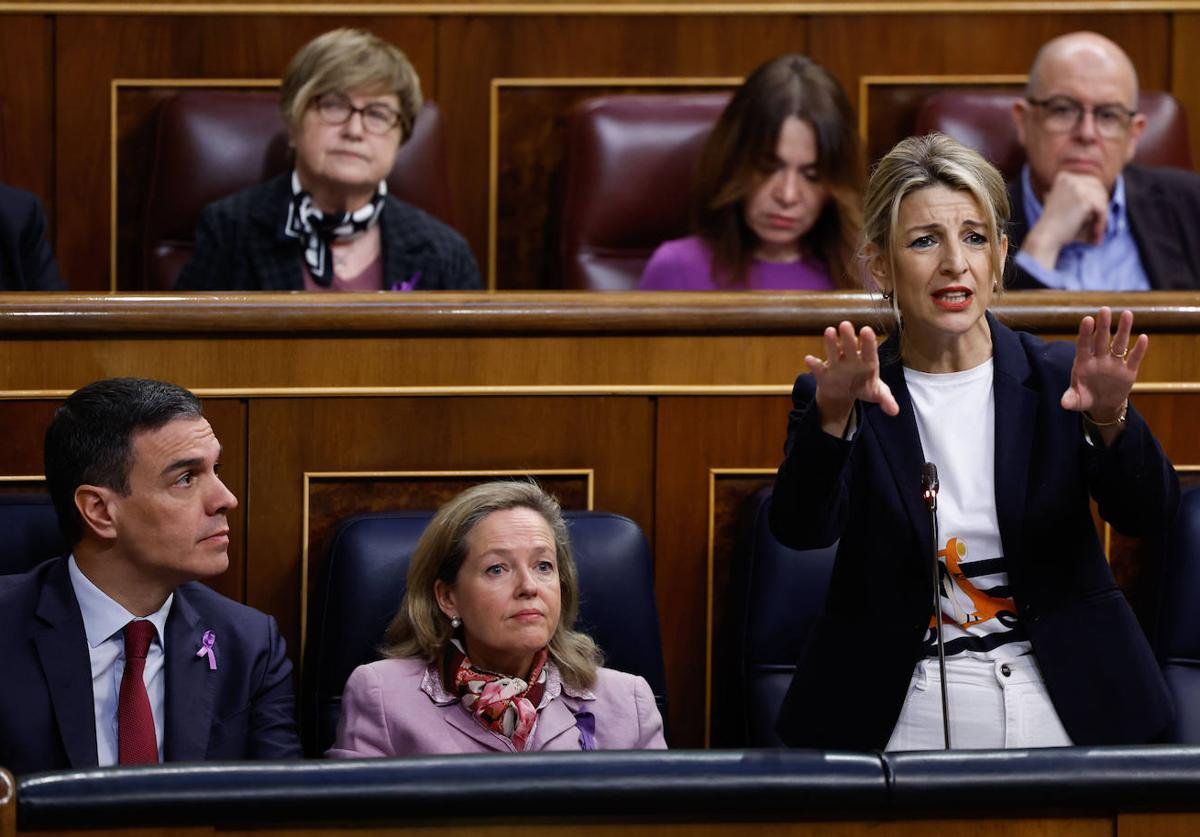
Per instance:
{"type": "Point", "coordinates": [1116, 204]}
{"type": "Point", "coordinates": [102, 616]}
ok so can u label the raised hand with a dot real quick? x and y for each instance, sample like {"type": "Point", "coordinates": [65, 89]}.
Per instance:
{"type": "Point", "coordinates": [1106, 365]}
{"type": "Point", "coordinates": [849, 373]}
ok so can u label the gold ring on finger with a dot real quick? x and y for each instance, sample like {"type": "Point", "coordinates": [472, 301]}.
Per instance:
{"type": "Point", "coordinates": [1121, 355]}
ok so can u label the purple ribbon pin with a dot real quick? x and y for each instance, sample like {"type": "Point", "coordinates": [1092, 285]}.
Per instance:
{"type": "Point", "coordinates": [585, 722]}
{"type": "Point", "coordinates": [409, 285]}
{"type": "Point", "coordinates": [206, 650]}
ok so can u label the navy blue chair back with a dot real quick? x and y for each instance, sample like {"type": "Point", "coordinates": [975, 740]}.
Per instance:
{"type": "Point", "coordinates": [30, 532]}
{"type": "Point", "coordinates": [367, 571]}
{"type": "Point", "coordinates": [785, 591]}
{"type": "Point", "coordinates": [1179, 625]}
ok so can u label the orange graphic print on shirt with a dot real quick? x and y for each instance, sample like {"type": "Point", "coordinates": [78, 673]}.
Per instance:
{"type": "Point", "coordinates": [983, 606]}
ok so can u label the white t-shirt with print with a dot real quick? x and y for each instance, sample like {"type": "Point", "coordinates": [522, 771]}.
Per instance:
{"type": "Point", "coordinates": [956, 420]}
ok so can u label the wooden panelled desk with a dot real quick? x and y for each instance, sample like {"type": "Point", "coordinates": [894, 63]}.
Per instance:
{"type": "Point", "coordinates": [667, 408]}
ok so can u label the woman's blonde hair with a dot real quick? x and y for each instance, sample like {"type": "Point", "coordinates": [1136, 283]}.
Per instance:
{"type": "Point", "coordinates": [918, 163]}
{"type": "Point", "coordinates": [345, 60]}
{"type": "Point", "coordinates": [420, 629]}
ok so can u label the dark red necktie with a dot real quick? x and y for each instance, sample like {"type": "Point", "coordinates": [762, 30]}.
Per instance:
{"type": "Point", "coordinates": [136, 741]}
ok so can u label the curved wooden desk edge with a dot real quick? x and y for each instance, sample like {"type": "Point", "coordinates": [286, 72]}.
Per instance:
{"type": "Point", "coordinates": [566, 312]}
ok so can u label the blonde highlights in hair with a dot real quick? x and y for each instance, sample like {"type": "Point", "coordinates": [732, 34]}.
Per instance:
{"type": "Point", "coordinates": [420, 629]}
{"type": "Point", "coordinates": [920, 162]}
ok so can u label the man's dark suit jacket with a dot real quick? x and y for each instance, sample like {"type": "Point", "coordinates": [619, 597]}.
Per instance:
{"type": "Point", "coordinates": [26, 263]}
{"type": "Point", "coordinates": [853, 675]}
{"type": "Point", "coordinates": [241, 246]}
{"type": "Point", "coordinates": [245, 709]}
{"type": "Point", "coordinates": [1164, 210]}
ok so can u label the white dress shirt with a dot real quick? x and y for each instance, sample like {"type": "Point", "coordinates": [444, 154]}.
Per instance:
{"type": "Point", "coordinates": [103, 623]}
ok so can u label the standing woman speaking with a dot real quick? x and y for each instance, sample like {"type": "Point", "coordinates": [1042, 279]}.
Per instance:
{"type": "Point", "coordinates": [1042, 648]}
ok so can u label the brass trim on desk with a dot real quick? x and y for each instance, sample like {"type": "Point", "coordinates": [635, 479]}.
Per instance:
{"type": "Point", "coordinates": [692, 8]}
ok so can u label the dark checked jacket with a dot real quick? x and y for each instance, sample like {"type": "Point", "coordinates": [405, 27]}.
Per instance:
{"type": "Point", "coordinates": [240, 246]}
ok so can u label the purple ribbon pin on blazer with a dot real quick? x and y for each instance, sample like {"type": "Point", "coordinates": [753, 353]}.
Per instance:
{"type": "Point", "coordinates": [206, 650]}
{"type": "Point", "coordinates": [585, 722]}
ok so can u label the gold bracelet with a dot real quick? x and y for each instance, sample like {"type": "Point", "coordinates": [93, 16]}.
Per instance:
{"type": "Point", "coordinates": [1118, 420]}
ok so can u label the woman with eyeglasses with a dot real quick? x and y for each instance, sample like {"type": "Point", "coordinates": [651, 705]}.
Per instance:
{"type": "Point", "coordinates": [349, 100]}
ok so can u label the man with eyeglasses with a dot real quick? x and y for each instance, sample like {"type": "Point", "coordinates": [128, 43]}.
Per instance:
{"type": "Point", "coordinates": [1082, 218]}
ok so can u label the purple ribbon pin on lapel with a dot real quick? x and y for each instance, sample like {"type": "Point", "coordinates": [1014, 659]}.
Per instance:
{"type": "Point", "coordinates": [206, 650]}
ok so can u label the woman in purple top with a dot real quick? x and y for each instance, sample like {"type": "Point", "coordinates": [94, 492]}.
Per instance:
{"type": "Point", "coordinates": [778, 190]}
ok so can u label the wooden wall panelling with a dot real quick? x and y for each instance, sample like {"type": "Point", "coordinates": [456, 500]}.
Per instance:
{"type": "Point", "coordinates": [92, 51]}
{"type": "Point", "coordinates": [968, 44]}
{"type": "Point", "coordinates": [557, 47]}
{"type": "Point", "coordinates": [288, 437]}
{"type": "Point", "coordinates": [26, 115]}
{"type": "Point", "coordinates": [696, 435]}
{"type": "Point", "coordinates": [24, 424]}
{"type": "Point", "coordinates": [561, 362]}
{"type": "Point", "coordinates": [1185, 70]}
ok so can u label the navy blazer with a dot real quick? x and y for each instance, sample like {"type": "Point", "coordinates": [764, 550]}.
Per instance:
{"type": "Point", "coordinates": [245, 709]}
{"type": "Point", "coordinates": [854, 672]}
{"type": "Point", "coordinates": [1163, 205]}
{"type": "Point", "coordinates": [241, 246]}
{"type": "Point", "coordinates": [26, 263]}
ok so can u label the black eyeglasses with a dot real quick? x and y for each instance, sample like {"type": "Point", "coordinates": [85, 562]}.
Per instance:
{"type": "Point", "coordinates": [1061, 114]}
{"type": "Point", "coordinates": [336, 109]}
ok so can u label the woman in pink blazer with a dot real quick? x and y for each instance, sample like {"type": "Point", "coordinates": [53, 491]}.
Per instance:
{"type": "Point", "coordinates": [483, 656]}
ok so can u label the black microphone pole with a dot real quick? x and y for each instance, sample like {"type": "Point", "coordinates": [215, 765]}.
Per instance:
{"type": "Point", "coordinates": [929, 490]}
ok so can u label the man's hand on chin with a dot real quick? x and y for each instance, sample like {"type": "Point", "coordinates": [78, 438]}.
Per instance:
{"type": "Point", "coordinates": [1075, 209]}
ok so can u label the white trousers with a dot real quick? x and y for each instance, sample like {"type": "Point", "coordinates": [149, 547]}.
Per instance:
{"type": "Point", "coordinates": [993, 705]}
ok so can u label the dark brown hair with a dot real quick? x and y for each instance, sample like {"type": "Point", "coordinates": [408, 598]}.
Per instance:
{"type": "Point", "coordinates": [744, 141]}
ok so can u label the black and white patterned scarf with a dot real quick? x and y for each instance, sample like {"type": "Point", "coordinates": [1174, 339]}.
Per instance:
{"type": "Point", "coordinates": [318, 231]}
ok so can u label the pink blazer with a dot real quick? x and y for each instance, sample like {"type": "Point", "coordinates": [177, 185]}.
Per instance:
{"type": "Point", "coordinates": [386, 712]}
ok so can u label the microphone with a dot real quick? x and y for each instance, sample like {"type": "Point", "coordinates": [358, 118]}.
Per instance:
{"type": "Point", "coordinates": [929, 490]}
{"type": "Point", "coordinates": [929, 485]}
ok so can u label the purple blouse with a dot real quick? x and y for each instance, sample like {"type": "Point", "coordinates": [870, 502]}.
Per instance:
{"type": "Point", "coordinates": [685, 264]}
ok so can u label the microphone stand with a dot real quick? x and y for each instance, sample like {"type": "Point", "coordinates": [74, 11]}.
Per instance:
{"type": "Point", "coordinates": [929, 490]}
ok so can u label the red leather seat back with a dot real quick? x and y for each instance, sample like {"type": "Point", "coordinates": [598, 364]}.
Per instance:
{"type": "Point", "coordinates": [628, 183]}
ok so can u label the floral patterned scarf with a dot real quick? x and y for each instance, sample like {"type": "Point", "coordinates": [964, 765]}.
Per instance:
{"type": "Point", "coordinates": [505, 705]}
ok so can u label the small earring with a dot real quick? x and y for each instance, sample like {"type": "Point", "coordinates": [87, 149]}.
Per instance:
{"type": "Point", "coordinates": [887, 296]}
{"type": "Point", "coordinates": [455, 622]}
{"type": "Point", "coordinates": [995, 286]}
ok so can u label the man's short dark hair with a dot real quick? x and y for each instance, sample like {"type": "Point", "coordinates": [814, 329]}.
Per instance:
{"type": "Point", "coordinates": [90, 439]}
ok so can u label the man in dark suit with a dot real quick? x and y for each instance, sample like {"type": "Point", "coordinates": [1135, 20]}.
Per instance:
{"type": "Point", "coordinates": [26, 263]}
{"type": "Point", "coordinates": [1082, 218]}
{"type": "Point", "coordinates": [132, 467]}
